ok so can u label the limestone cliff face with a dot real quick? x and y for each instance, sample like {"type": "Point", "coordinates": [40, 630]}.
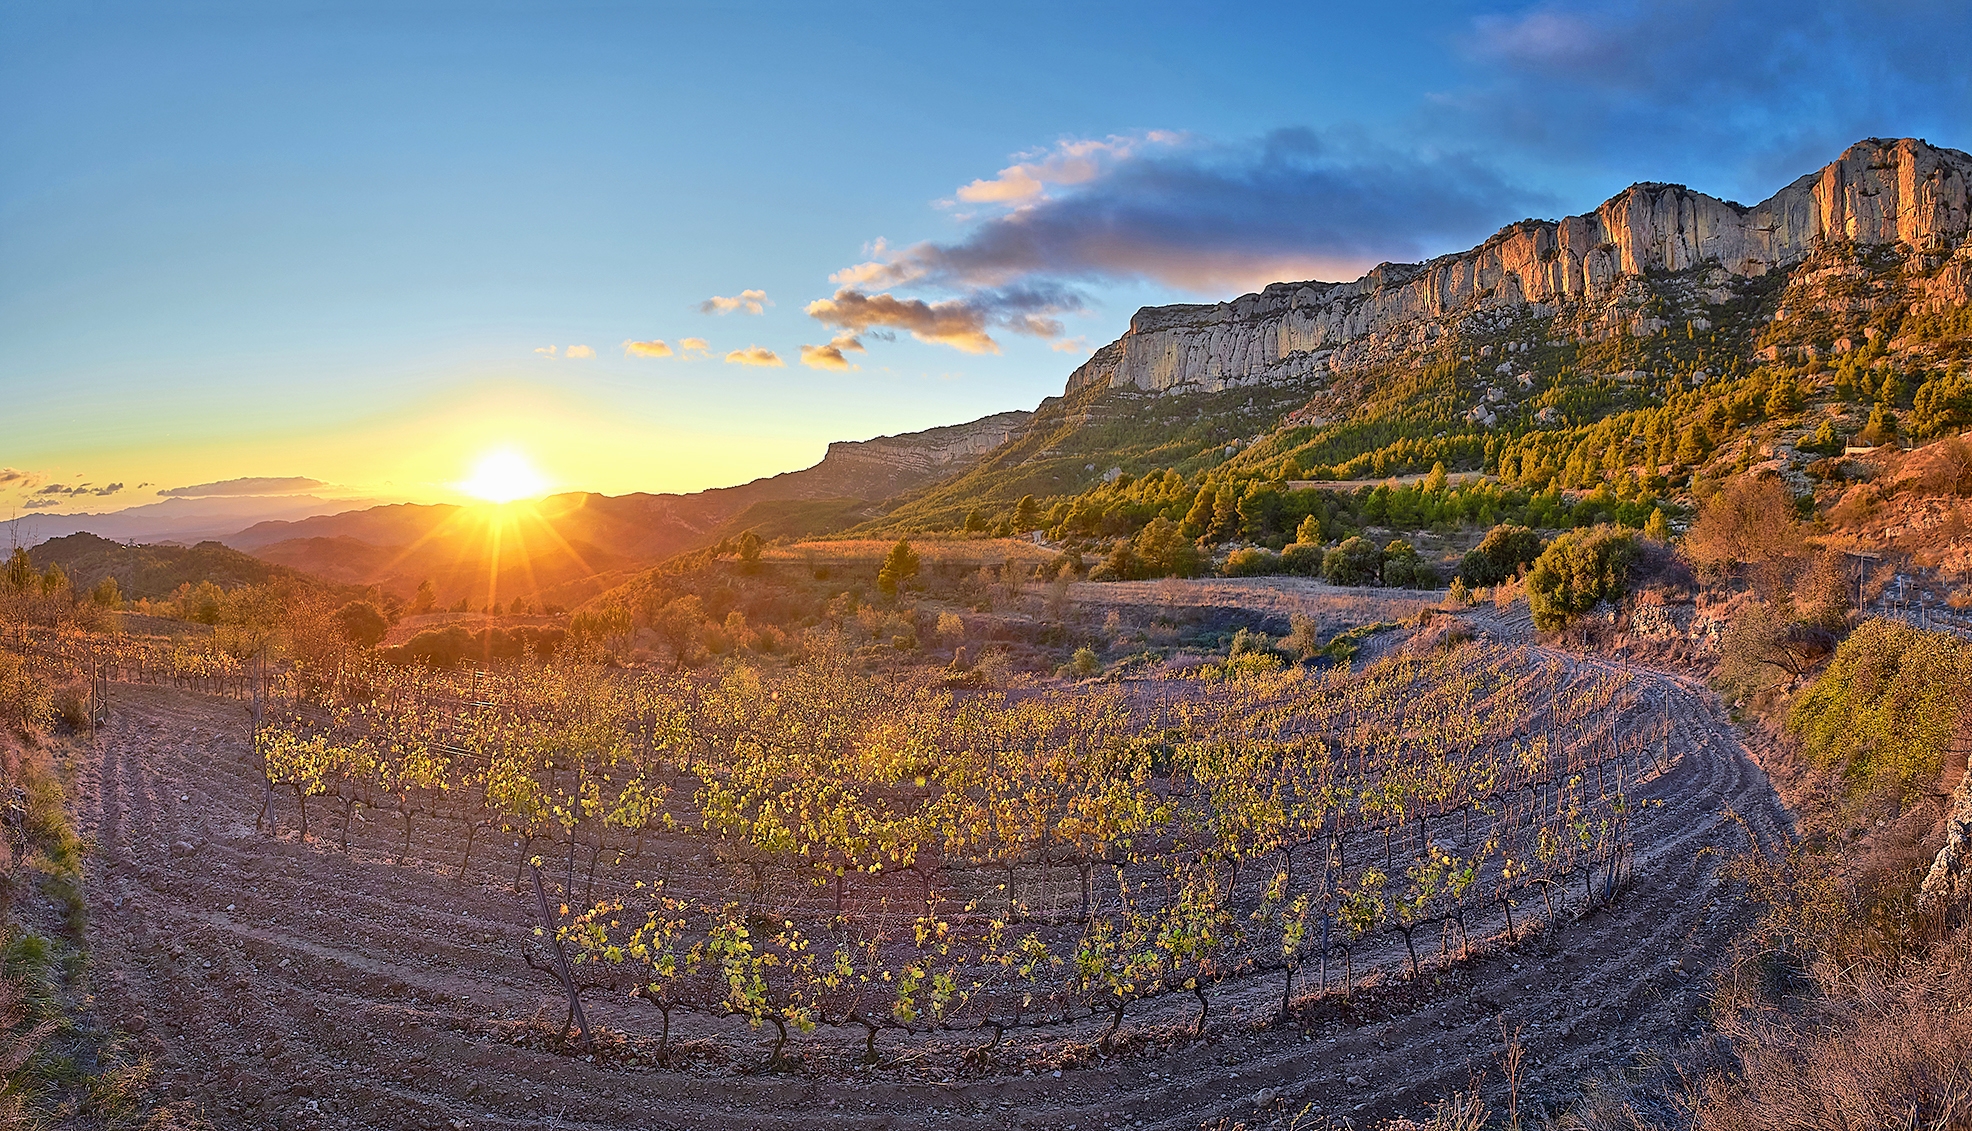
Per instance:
{"type": "Point", "coordinates": [1878, 192]}
{"type": "Point", "coordinates": [930, 450]}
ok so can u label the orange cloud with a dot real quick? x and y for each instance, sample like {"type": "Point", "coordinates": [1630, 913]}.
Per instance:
{"type": "Point", "coordinates": [751, 301]}
{"type": "Point", "coordinates": [754, 355]}
{"type": "Point", "coordinates": [580, 351]}
{"type": "Point", "coordinates": [953, 322]}
{"type": "Point", "coordinates": [831, 356]}
{"type": "Point", "coordinates": [693, 345]}
{"type": "Point", "coordinates": [653, 348]}
{"type": "Point", "coordinates": [1070, 163]}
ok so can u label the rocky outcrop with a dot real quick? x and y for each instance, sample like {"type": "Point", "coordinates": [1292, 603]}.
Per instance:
{"type": "Point", "coordinates": [1947, 887]}
{"type": "Point", "coordinates": [932, 450]}
{"type": "Point", "coordinates": [1878, 192]}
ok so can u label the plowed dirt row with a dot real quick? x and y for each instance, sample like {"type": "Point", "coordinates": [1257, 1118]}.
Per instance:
{"type": "Point", "coordinates": [283, 984]}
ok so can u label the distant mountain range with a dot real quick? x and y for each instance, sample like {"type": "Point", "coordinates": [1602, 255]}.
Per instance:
{"type": "Point", "coordinates": [563, 548]}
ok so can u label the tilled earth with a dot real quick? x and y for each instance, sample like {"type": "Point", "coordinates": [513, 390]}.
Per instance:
{"type": "Point", "coordinates": [282, 984]}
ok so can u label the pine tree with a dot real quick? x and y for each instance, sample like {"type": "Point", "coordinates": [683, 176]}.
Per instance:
{"type": "Point", "coordinates": [899, 567]}
{"type": "Point", "coordinates": [1656, 527]}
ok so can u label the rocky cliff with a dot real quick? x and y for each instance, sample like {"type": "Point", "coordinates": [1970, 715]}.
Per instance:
{"type": "Point", "coordinates": [1903, 192]}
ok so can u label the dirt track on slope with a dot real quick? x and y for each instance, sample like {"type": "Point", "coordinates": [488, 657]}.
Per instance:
{"type": "Point", "coordinates": [283, 984]}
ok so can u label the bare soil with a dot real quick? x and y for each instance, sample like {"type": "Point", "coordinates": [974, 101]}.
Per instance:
{"type": "Point", "coordinates": [282, 984]}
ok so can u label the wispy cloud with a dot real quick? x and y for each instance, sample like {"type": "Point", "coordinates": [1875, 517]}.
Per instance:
{"type": "Point", "coordinates": [690, 346]}
{"type": "Point", "coordinates": [1071, 345]}
{"type": "Point", "coordinates": [547, 351]}
{"type": "Point", "coordinates": [754, 355]}
{"type": "Point", "coordinates": [1071, 162]}
{"type": "Point", "coordinates": [14, 477]}
{"type": "Point", "coordinates": [248, 485]}
{"type": "Point", "coordinates": [750, 301]}
{"type": "Point", "coordinates": [580, 352]}
{"type": "Point", "coordinates": [830, 356]}
{"type": "Point", "coordinates": [652, 348]}
{"type": "Point", "coordinates": [80, 489]}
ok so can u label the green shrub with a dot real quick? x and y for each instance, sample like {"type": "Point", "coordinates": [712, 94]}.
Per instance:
{"type": "Point", "coordinates": [1886, 707]}
{"type": "Point", "coordinates": [1504, 551]}
{"type": "Point", "coordinates": [1303, 559]}
{"type": "Point", "coordinates": [1252, 562]}
{"type": "Point", "coordinates": [1356, 561]}
{"type": "Point", "coordinates": [1577, 570]}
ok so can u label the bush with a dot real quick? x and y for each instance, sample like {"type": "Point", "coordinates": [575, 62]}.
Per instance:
{"type": "Point", "coordinates": [362, 623]}
{"type": "Point", "coordinates": [1356, 561]}
{"type": "Point", "coordinates": [1303, 559]}
{"type": "Point", "coordinates": [1501, 555]}
{"type": "Point", "coordinates": [1577, 570]}
{"type": "Point", "coordinates": [1252, 562]}
{"type": "Point", "coordinates": [1885, 709]}
{"type": "Point", "coordinates": [1085, 663]}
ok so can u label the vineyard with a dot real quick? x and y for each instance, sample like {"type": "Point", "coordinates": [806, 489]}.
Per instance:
{"type": "Point", "coordinates": [821, 850]}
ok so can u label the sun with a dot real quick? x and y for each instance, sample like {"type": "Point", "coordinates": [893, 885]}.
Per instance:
{"type": "Point", "coordinates": [503, 476]}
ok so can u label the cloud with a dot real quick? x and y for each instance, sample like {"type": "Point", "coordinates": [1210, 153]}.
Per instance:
{"type": "Point", "coordinates": [754, 355]}
{"type": "Point", "coordinates": [81, 489]}
{"type": "Point", "coordinates": [961, 323]}
{"type": "Point", "coordinates": [831, 356]}
{"type": "Point", "coordinates": [250, 485]}
{"type": "Point", "coordinates": [688, 346]}
{"type": "Point", "coordinates": [1751, 93]}
{"type": "Point", "coordinates": [653, 348]}
{"type": "Point", "coordinates": [752, 301]}
{"type": "Point", "coordinates": [580, 351]}
{"type": "Point", "coordinates": [1071, 345]}
{"type": "Point", "coordinates": [545, 351]}
{"type": "Point", "coordinates": [1208, 216]}
{"type": "Point", "coordinates": [10, 476]}
{"type": "Point", "coordinates": [42, 504]}
{"type": "Point", "coordinates": [1068, 163]}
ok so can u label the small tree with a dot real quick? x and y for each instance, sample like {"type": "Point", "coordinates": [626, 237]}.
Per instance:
{"type": "Point", "coordinates": [1026, 514]}
{"type": "Point", "coordinates": [1750, 522]}
{"type": "Point", "coordinates": [1356, 561]}
{"type": "Point", "coordinates": [1400, 564]}
{"type": "Point", "coordinates": [1577, 570]}
{"type": "Point", "coordinates": [362, 623]}
{"type": "Point", "coordinates": [1657, 528]}
{"type": "Point", "coordinates": [1504, 552]}
{"type": "Point", "coordinates": [898, 568]}
{"type": "Point", "coordinates": [1309, 533]}
{"type": "Point", "coordinates": [749, 551]}
{"type": "Point", "coordinates": [426, 597]}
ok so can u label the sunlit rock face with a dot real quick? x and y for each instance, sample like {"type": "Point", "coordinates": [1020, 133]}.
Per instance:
{"type": "Point", "coordinates": [931, 450]}
{"type": "Point", "coordinates": [1878, 192]}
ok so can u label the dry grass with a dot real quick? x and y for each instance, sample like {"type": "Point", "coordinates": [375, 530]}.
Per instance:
{"type": "Point", "coordinates": [1883, 1049]}
{"type": "Point", "coordinates": [930, 551]}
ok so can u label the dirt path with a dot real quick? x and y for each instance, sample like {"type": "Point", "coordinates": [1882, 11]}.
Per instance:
{"type": "Point", "coordinates": [279, 984]}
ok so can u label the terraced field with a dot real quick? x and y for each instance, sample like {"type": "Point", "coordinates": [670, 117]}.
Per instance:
{"type": "Point", "coordinates": [286, 984]}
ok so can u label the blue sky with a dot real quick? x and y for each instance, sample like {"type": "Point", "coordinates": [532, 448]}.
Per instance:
{"type": "Point", "coordinates": [330, 241]}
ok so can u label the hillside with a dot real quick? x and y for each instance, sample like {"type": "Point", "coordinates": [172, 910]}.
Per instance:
{"type": "Point", "coordinates": [152, 571]}
{"type": "Point", "coordinates": [1633, 345]}
{"type": "Point", "coordinates": [567, 546]}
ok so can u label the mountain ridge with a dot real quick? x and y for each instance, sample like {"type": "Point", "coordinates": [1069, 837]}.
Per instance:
{"type": "Point", "coordinates": [1291, 331]}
